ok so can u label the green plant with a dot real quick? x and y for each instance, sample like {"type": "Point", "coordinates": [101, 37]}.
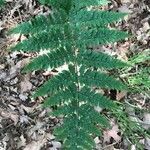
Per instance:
{"type": "Point", "coordinates": [137, 76]}
{"type": "Point", "coordinates": [130, 125]}
{"type": "Point", "coordinates": [67, 36]}
{"type": "Point", "coordinates": [2, 2]}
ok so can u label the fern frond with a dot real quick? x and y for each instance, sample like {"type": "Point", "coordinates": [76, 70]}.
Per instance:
{"type": "Point", "coordinates": [63, 110]}
{"type": "Point", "coordinates": [57, 83]}
{"type": "Point", "coordinates": [53, 59]}
{"type": "Point", "coordinates": [93, 78]}
{"type": "Point", "coordinates": [78, 142]}
{"type": "Point", "coordinates": [100, 36]}
{"type": "Point", "coordinates": [95, 99]}
{"type": "Point", "coordinates": [41, 23]}
{"type": "Point", "coordinates": [72, 127]}
{"type": "Point", "coordinates": [65, 36]}
{"type": "Point", "coordinates": [95, 17]}
{"type": "Point", "coordinates": [91, 58]}
{"type": "Point", "coordinates": [85, 112]}
{"type": "Point", "coordinates": [64, 96]}
{"type": "Point", "coordinates": [63, 4]}
{"type": "Point", "coordinates": [2, 2]}
{"type": "Point", "coordinates": [88, 112]}
{"type": "Point", "coordinates": [45, 40]}
{"type": "Point", "coordinates": [83, 17]}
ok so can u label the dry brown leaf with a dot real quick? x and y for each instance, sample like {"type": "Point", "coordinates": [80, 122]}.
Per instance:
{"type": "Point", "coordinates": [22, 142]}
{"type": "Point", "coordinates": [112, 133]}
{"type": "Point", "coordinates": [56, 145]}
{"type": "Point", "coordinates": [35, 145]}
{"type": "Point", "coordinates": [27, 109]}
{"type": "Point", "coordinates": [133, 147]}
{"type": "Point", "coordinates": [147, 143]}
{"type": "Point", "coordinates": [47, 73]}
{"type": "Point", "coordinates": [40, 141]}
{"type": "Point", "coordinates": [125, 9]}
{"type": "Point", "coordinates": [56, 71]}
{"type": "Point", "coordinates": [96, 140]}
{"type": "Point", "coordinates": [20, 64]}
{"type": "Point", "coordinates": [15, 69]}
{"type": "Point", "coordinates": [25, 85]}
{"type": "Point", "coordinates": [121, 95]}
{"type": "Point", "coordinates": [12, 115]}
{"type": "Point", "coordinates": [122, 51]}
{"type": "Point", "coordinates": [146, 121]}
{"type": "Point", "coordinates": [125, 1]}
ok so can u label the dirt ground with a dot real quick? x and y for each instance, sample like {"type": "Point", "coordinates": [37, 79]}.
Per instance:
{"type": "Point", "coordinates": [24, 124]}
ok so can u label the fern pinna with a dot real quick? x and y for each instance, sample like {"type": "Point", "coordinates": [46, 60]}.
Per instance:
{"type": "Point", "coordinates": [2, 2]}
{"type": "Point", "coordinates": [66, 37]}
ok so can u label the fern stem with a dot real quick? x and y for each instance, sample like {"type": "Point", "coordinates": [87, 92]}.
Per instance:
{"type": "Point", "coordinates": [78, 87]}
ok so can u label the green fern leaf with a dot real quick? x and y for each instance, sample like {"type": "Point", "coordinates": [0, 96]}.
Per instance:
{"type": "Point", "coordinates": [63, 110]}
{"type": "Point", "coordinates": [41, 23]}
{"type": "Point", "coordinates": [95, 99]}
{"type": "Point", "coordinates": [53, 59]}
{"type": "Point", "coordinates": [2, 2]}
{"type": "Point", "coordinates": [95, 17]}
{"type": "Point", "coordinates": [57, 83]}
{"type": "Point", "coordinates": [92, 78]}
{"type": "Point", "coordinates": [45, 40]}
{"type": "Point", "coordinates": [60, 97]}
{"type": "Point", "coordinates": [88, 113]}
{"type": "Point", "coordinates": [99, 60]}
{"type": "Point", "coordinates": [100, 36]}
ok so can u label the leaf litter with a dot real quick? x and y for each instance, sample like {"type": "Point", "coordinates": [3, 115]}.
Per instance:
{"type": "Point", "coordinates": [24, 124]}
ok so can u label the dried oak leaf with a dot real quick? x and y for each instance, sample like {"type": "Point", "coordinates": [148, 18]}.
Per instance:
{"type": "Point", "coordinates": [112, 133]}
{"type": "Point", "coordinates": [25, 85]}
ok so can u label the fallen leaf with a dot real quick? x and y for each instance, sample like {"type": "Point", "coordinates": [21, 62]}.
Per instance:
{"type": "Point", "coordinates": [23, 97]}
{"type": "Point", "coordinates": [56, 144]}
{"type": "Point", "coordinates": [19, 65]}
{"type": "Point", "coordinates": [124, 9]}
{"type": "Point", "coordinates": [133, 147]}
{"type": "Point", "coordinates": [27, 109]}
{"type": "Point", "coordinates": [25, 85]}
{"type": "Point", "coordinates": [22, 142]}
{"type": "Point", "coordinates": [96, 140]}
{"type": "Point", "coordinates": [125, 1]}
{"type": "Point", "coordinates": [12, 115]}
{"type": "Point", "coordinates": [121, 95]}
{"type": "Point", "coordinates": [15, 69]}
{"type": "Point", "coordinates": [147, 143]}
{"type": "Point", "coordinates": [35, 145]}
{"type": "Point", "coordinates": [24, 119]}
{"type": "Point", "coordinates": [146, 27]}
{"type": "Point", "coordinates": [112, 133]}
{"type": "Point", "coordinates": [40, 141]}
{"type": "Point", "coordinates": [146, 121]}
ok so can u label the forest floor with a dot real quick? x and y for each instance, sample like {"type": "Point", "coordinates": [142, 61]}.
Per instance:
{"type": "Point", "coordinates": [24, 124]}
